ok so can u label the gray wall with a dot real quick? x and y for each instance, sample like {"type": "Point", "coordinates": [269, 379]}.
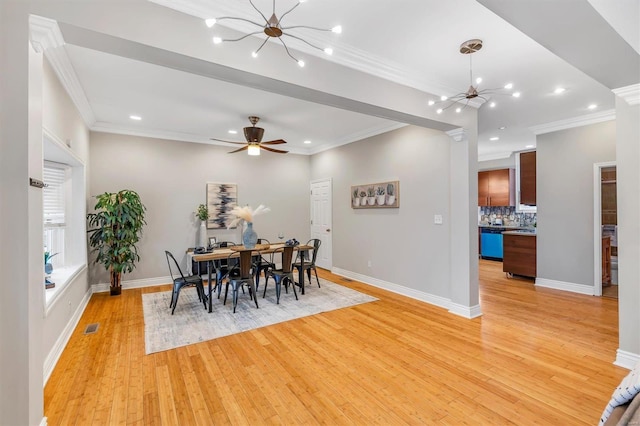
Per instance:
{"type": "Point", "coordinates": [403, 244]}
{"type": "Point", "coordinates": [564, 179]}
{"type": "Point", "coordinates": [503, 163]}
{"type": "Point", "coordinates": [171, 179]}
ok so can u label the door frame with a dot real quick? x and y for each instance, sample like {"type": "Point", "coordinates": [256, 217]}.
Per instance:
{"type": "Point", "coordinates": [330, 180]}
{"type": "Point", "coordinates": [597, 225]}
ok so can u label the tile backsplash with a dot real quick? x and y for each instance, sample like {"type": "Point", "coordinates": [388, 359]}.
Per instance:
{"type": "Point", "coordinates": [509, 216]}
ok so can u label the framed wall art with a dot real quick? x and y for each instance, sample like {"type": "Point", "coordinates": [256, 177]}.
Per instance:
{"type": "Point", "coordinates": [221, 199]}
{"type": "Point", "coordinates": [376, 195]}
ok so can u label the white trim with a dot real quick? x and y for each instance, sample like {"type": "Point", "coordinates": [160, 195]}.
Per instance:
{"type": "Point", "coordinates": [439, 301]}
{"type": "Point", "coordinates": [468, 312]}
{"type": "Point", "coordinates": [144, 282]}
{"type": "Point", "coordinates": [626, 359]}
{"type": "Point", "coordinates": [46, 38]}
{"type": "Point", "coordinates": [457, 135]}
{"type": "Point", "coordinates": [565, 286]}
{"type": "Point", "coordinates": [53, 295]}
{"type": "Point", "coordinates": [597, 225]}
{"type": "Point", "coordinates": [54, 355]}
{"type": "Point", "coordinates": [631, 93]}
{"type": "Point", "coordinates": [43, 422]}
{"type": "Point", "coordinates": [570, 123]}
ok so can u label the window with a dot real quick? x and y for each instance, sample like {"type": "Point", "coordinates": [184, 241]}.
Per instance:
{"type": "Point", "coordinates": [54, 200]}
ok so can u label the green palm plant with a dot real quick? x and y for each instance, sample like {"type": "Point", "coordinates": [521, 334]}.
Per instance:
{"type": "Point", "coordinates": [115, 229]}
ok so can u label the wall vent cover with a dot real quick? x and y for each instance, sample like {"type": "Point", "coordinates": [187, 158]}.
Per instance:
{"type": "Point", "coordinates": [91, 328]}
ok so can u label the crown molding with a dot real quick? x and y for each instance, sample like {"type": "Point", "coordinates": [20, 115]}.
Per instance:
{"type": "Point", "coordinates": [457, 135]}
{"type": "Point", "coordinates": [46, 38]}
{"type": "Point", "coordinates": [631, 93]}
{"type": "Point", "coordinates": [583, 120]}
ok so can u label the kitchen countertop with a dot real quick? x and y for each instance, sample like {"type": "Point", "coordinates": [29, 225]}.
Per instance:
{"type": "Point", "coordinates": [528, 232]}
{"type": "Point", "coordinates": [509, 227]}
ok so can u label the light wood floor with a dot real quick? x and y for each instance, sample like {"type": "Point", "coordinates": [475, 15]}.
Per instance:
{"type": "Point", "coordinates": [536, 356]}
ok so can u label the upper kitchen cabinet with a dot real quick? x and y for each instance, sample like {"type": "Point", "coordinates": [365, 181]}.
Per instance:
{"type": "Point", "coordinates": [496, 188]}
{"type": "Point", "coordinates": [528, 178]}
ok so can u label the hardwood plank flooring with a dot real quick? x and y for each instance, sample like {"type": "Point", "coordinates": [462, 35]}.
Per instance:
{"type": "Point", "coordinates": [535, 356]}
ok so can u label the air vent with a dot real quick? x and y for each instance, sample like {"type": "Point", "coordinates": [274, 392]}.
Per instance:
{"type": "Point", "coordinates": [91, 328]}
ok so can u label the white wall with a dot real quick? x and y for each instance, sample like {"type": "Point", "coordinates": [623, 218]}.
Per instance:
{"type": "Point", "coordinates": [403, 245]}
{"type": "Point", "coordinates": [171, 179]}
{"type": "Point", "coordinates": [564, 178]}
{"type": "Point", "coordinates": [503, 163]}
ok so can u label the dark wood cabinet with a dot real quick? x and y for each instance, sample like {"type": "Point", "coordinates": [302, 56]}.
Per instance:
{"type": "Point", "coordinates": [606, 261]}
{"type": "Point", "coordinates": [528, 178]}
{"type": "Point", "coordinates": [496, 187]}
{"type": "Point", "coordinates": [519, 254]}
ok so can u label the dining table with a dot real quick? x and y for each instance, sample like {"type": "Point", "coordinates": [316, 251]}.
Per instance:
{"type": "Point", "coordinates": [213, 258]}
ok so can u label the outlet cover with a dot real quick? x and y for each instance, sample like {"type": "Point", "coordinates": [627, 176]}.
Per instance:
{"type": "Point", "coordinates": [437, 219]}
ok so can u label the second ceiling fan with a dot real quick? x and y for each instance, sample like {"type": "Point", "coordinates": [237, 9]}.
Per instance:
{"type": "Point", "coordinates": [254, 143]}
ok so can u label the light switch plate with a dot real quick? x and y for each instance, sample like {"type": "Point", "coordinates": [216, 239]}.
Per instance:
{"type": "Point", "coordinates": [437, 219]}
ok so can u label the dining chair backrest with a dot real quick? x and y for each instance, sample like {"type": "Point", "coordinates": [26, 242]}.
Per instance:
{"type": "Point", "coordinates": [263, 241]}
{"type": "Point", "coordinates": [315, 242]}
{"type": "Point", "coordinates": [225, 262]}
{"type": "Point", "coordinates": [240, 268]}
{"type": "Point", "coordinates": [287, 258]}
{"type": "Point", "coordinates": [171, 259]}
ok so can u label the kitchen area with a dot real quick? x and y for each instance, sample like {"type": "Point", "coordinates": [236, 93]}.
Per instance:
{"type": "Point", "coordinates": [507, 216]}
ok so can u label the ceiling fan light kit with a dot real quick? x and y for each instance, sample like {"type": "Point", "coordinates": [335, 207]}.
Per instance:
{"type": "Point", "coordinates": [470, 47]}
{"type": "Point", "coordinates": [254, 143]}
{"type": "Point", "coordinates": [273, 28]}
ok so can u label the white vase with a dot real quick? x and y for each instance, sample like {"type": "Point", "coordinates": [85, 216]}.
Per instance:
{"type": "Point", "coordinates": [356, 202]}
{"type": "Point", "coordinates": [391, 200]}
{"type": "Point", "coordinates": [371, 201]}
{"type": "Point", "coordinates": [202, 236]}
{"type": "Point", "coordinates": [381, 200]}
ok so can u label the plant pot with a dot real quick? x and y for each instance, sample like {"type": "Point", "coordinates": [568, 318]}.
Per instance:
{"type": "Point", "coordinates": [115, 291]}
{"type": "Point", "coordinates": [371, 201]}
{"type": "Point", "coordinates": [48, 268]}
{"type": "Point", "coordinates": [356, 202]}
{"type": "Point", "coordinates": [363, 201]}
{"type": "Point", "coordinates": [391, 200]}
{"type": "Point", "coordinates": [202, 237]}
{"type": "Point", "coordinates": [381, 200]}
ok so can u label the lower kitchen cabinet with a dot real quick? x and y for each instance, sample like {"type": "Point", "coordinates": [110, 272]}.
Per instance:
{"type": "Point", "coordinates": [519, 254]}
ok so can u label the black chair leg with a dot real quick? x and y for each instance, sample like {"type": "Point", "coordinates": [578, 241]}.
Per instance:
{"type": "Point", "coordinates": [278, 289]}
{"type": "Point", "coordinates": [175, 303]}
{"type": "Point", "coordinates": [315, 271]}
{"type": "Point", "coordinates": [294, 288]}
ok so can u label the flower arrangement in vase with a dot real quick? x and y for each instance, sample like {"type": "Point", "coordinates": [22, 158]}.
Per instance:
{"type": "Point", "coordinates": [203, 214]}
{"type": "Point", "coordinates": [249, 236]}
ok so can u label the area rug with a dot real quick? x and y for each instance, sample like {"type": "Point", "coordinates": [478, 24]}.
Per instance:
{"type": "Point", "coordinates": [191, 323]}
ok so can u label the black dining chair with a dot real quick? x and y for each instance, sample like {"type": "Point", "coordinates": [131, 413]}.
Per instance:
{"type": "Point", "coordinates": [239, 274]}
{"type": "Point", "coordinates": [180, 281]}
{"type": "Point", "coordinates": [284, 275]}
{"type": "Point", "coordinates": [309, 264]}
{"type": "Point", "coordinates": [223, 266]}
{"type": "Point", "coordinates": [260, 264]}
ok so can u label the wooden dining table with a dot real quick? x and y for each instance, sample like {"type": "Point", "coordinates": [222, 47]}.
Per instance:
{"type": "Point", "coordinates": [214, 257]}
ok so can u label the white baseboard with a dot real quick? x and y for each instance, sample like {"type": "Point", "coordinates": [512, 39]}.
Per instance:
{"type": "Point", "coordinates": [566, 286]}
{"type": "Point", "coordinates": [54, 355]}
{"type": "Point", "coordinates": [442, 302]}
{"type": "Point", "coordinates": [626, 359]}
{"type": "Point", "coordinates": [43, 422]}
{"type": "Point", "coordinates": [145, 282]}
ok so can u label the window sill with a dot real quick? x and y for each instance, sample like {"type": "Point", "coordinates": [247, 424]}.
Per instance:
{"type": "Point", "coordinates": [62, 277]}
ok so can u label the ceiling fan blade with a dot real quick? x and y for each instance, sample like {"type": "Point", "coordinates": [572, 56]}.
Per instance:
{"type": "Point", "coordinates": [222, 140]}
{"type": "Point", "coordinates": [274, 142]}
{"type": "Point", "coordinates": [279, 151]}
{"type": "Point", "coordinates": [239, 149]}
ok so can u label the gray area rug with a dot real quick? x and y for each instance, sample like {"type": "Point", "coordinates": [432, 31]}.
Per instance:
{"type": "Point", "coordinates": [192, 323]}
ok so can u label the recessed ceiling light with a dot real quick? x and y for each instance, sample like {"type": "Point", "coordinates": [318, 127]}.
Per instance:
{"type": "Point", "coordinates": [135, 117]}
{"type": "Point", "coordinates": [233, 132]}
{"type": "Point", "coordinates": [516, 94]}
{"type": "Point", "coordinates": [508, 86]}
{"type": "Point", "coordinates": [495, 138]}
{"type": "Point", "coordinates": [458, 110]}
{"type": "Point", "coordinates": [439, 111]}
{"type": "Point", "coordinates": [431, 103]}
{"type": "Point", "coordinates": [443, 98]}
{"type": "Point", "coordinates": [478, 80]}
{"type": "Point", "coordinates": [530, 146]}
{"type": "Point", "coordinates": [492, 104]}
{"type": "Point", "coordinates": [307, 142]}
{"type": "Point", "coordinates": [559, 90]}
{"type": "Point", "coordinates": [502, 127]}
{"type": "Point", "coordinates": [592, 106]}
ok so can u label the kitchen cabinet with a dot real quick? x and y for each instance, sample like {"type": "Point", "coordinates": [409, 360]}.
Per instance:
{"type": "Point", "coordinates": [606, 261]}
{"type": "Point", "coordinates": [519, 253]}
{"type": "Point", "coordinates": [496, 187]}
{"type": "Point", "coordinates": [528, 178]}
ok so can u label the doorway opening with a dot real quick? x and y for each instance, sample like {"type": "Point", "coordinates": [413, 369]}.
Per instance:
{"type": "Point", "coordinates": [605, 230]}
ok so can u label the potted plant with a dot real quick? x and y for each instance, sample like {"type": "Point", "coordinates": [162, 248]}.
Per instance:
{"type": "Point", "coordinates": [115, 229]}
{"type": "Point", "coordinates": [203, 215]}
{"type": "Point", "coordinates": [391, 194]}
{"type": "Point", "coordinates": [363, 198]}
{"type": "Point", "coordinates": [356, 200]}
{"type": "Point", "coordinates": [380, 195]}
{"type": "Point", "coordinates": [371, 196]}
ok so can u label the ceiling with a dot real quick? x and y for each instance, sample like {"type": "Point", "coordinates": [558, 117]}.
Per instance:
{"type": "Point", "coordinates": [412, 42]}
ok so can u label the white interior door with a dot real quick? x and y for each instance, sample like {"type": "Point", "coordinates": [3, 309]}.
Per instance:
{"type": "Point", "coordinates": [321, 220]}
